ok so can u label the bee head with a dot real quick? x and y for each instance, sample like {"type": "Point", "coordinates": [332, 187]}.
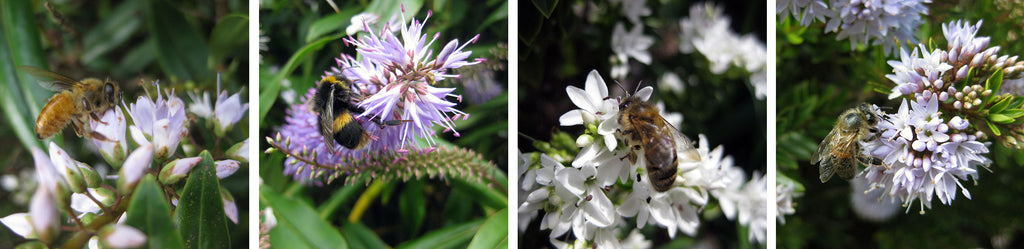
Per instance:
{"type": "Point", "coordinates": [111, 92]}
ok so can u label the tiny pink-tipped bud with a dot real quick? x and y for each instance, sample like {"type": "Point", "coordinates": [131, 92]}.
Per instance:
{"type": "Point", "coordinates": [226, 168]}
{"type": "Point", "coordinates": [176, 170]}
{"type": "Point", "coordinates": [134, 168]}
{"type": "Point", "coordinates": [45, 218]}
{"type": "Point", "coordinates": [122, 236]}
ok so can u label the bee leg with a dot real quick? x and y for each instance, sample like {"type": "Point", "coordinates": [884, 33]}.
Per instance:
{"type": "Point", "coordinates": [870, 161]}
{"type": "Point", "coordinates": [99, 137]}
{"type": "Point", "coordinates": [97, 117]}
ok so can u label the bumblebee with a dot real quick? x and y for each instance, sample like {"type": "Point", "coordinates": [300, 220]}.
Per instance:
{"type": "Point", "coordinates": [74, 102]}
{"type": "Point", "coordinates": [334, 103]}
{"type": "Point", "coordinates": [662, 145]}
{"type": "Point", "coordinates": [840, 150]}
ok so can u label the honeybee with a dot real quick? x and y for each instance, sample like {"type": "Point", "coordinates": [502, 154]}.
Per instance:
{"type": "Point", "coordinates": [662, 144]}
{"type": "Point", "coordinates": [840, 150]}
{"type": "Point", "coordinates": [334, 102]}
{"type": "Point", "coordinates": [74, 102]}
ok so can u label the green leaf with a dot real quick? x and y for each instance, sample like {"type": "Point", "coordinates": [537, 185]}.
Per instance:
{"type": "Point", "coordinates": [453, 236]}
{"type": "Point", "coordinates": [482, 193]}
{"type": "Point", "coordinates": [413, 205]}
{"type": "Point", "coordinates": [300, 222]}
{"type": "Point", "coordinates": [269, 94]}
{"type": "Point", "coordinates": [993, 83]}
{"type": "Point", "coordinates": [385, 9]}
{"type": "Point", "coordinates": [545, 6]}
{"type": "Point", "coordinates": [1001, 104]}
{"type": "Point", "coordinates": [111, 32]}
{"type": "Point", "coordinates": [360, 236]}
{"type": "Point", "coordinates": [1000, 118]}
{"type": "Point", "coordinates": [499, 14]}
{"type": "Point", "coordinates": [181, 51]}
{"type": "Point", "coordinates": [150, 213]}
{"type": "Point", "coordinates": [200, 215]}
{"type": "Point", "coordinates": [1013, 113]}
{"type": "Point", "coordinates": [493, 233]}
{"type": "Point", "coordinates": [20, 97]}
{"type": "Point", "coordinates": [137, 58]}
{"type": "Point", "coordinates": [230, 37]}
{"type": "Point", "coordinates": [995, 130]}
{"type": "Point", "coordinates": [334, 22]}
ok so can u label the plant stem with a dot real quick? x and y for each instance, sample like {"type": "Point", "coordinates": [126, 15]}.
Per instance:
{"type": "Point", "coordinates": [365, 199]}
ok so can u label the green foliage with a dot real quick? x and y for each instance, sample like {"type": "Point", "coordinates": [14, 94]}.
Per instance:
{"type": "Point", "coordinates": [200, 214]}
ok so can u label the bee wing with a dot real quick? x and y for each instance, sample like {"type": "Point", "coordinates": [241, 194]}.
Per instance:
{"type": "Point", "coordinates": [823, 147]}
{"type": "Point", "coordinates": [49, 80]}
{"type": "Point", "coordinates": [327, 123]}
{"type": "Point", "coordinates": [684, 146]}
{"type": "Point", "coordinates": [821, 156]}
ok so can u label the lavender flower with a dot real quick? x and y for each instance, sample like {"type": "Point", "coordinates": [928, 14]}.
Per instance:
{"type": "Point", "coordinates": [922, 156]}
{"type": "Point", "coordinates": [228, 111]}
{"type": "Point", "coordinates": [397, 75]}
{"type": "Point", "coordinates": [394, 77]}
{"type": "Point", "coordinates": [160, 122]}
{"type": "Point", "coordinates": [880, 22]}
{"type": "Point", "coordinates": [111, 125]}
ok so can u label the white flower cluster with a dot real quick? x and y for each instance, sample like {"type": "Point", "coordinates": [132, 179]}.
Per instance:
{"type": "Point", "coordinates": [592, 196]}
{"type": "Point", "coordinates": [885, 22]}
{"type": "Point", "coordinates": [706, 31]}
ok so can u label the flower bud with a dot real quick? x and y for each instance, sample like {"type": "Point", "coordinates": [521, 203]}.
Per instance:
{"type": "Point", "coordinates": [230, 208]}
{"type": "Point", "coordinates": [178, 169]}
{"type": "Point", "coordinates": [121, 236]}
{"type": "Point", "coordinates": [134, 168]}
{"type": "Point", "coordinates": [239, 151]}
{"type": "Point", "coordinates": [43, 210]}
{"type": "Point", "coordinates": [226, 168]}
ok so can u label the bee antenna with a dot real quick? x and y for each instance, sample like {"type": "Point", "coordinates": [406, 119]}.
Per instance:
{"type": "Point", "coordinates": [638, 86]}
{"type": "Point", "coordinates": [620, 87]}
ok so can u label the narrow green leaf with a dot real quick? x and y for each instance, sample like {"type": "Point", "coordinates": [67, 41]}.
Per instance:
{"type": "Point", "coordinates": [493, 233]}
{"type": "Point", "coordinates": [1001, 103]}
{"type": "Point", "coordinates": [360, 236]}
{"type": "Point", "coordinates": [413, 205]}
{"type": "Point", "coordinates": [111, 32]}
{"type": "Point", "coordinates": [230, 37]}
{"type": "Point", "coordinates": [300, 221]}
{"type": "Point", "coordinates": [200, 215]}
{"type": "Point", "coordinates": [483, 193]}
{"type": "Point", "coordinates": [386, 9]}
{"type": "Point", "coordinates": [181, 51]}
{"type": "Point", "coordinates": [499, 14]}
{"type": "Point", "coordinates": [150, 213]}
{"type": "Point", "coordinates": [21, 97]}
{"type": "Point", "coordinates": [453, 236]}
{"type": "Point", "coordinates": [269, 94]}
{"type": "Point", "coordinates": [136, 59]}
{"type": "Point", "coordinates": [1013, 113]}
{"type": "Point", "coordinates": [995, 130]}
{"type": "Point", "coordinates": [994, 82]}
{"type": "Point", "coordinates": [545, 6]}
{"type": "Point", "coordinates": [1000, 118]}
{"type": "Point", "coordinates": [331, 23]}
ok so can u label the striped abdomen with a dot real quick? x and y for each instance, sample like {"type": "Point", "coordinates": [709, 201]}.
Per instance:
{"type": "Point", "coordinates": [55, 115]}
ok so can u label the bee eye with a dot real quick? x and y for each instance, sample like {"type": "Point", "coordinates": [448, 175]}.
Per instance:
{"type": "Point", "coordinates": [108, 89]}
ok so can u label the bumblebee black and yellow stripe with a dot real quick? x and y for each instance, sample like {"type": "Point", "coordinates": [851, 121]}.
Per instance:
{"type": "Point", "coordinates": [348, 132]}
